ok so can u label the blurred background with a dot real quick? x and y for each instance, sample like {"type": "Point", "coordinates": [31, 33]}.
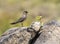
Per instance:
{"type": "Point", "coordinates": [11, 10]}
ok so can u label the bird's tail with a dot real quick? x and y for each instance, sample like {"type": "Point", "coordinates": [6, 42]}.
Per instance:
{"type": "Point", "coordinates": [14, 23]}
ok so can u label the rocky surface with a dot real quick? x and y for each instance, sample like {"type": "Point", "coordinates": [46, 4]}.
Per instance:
{"type": "Point", "coordinates": [24, 35]}
{"type": "Point", "coordinates": [18, 36]}
{"type": "Point", "coordinates": [51, 34]}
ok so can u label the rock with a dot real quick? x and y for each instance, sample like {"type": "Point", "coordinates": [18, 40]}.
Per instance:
{"type": "Point", "coordinates": [51, 33]}
{"type": "Point", "coordinates": [36, 25]}
{"type": "Point", "coordinates": [17, 35]}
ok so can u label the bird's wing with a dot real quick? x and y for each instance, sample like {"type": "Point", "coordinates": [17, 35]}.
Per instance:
{"type": "Point", "coordinates": [19, 20]}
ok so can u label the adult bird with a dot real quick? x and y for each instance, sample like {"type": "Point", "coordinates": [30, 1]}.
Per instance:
{"type": "Point", "coordinates": [23, 18]}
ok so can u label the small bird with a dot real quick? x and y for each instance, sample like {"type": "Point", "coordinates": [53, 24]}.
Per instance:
{"type": "Point", "coordinates": [23, 18]}
{"type": "Point", "coordinates": [37, 24]}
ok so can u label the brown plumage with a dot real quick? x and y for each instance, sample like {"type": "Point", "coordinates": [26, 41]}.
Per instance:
{"type": "Point", "coordinates": [23, 18]}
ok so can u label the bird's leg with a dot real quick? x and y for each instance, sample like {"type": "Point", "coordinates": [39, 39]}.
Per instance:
{"type": "Point", "coordinates": [22, 24]}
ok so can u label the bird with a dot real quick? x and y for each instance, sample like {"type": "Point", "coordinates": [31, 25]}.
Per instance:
{"type": "Point", "coordinates": [22, 19]}
{"type": "Point", "coordinates": [37, 23]}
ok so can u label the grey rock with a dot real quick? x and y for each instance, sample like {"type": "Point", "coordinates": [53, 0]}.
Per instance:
{"type": "Point", "coordinates": [51, 33]}
{"type": "Point", "coordinates": [24, 35]}
{"type": "Point", "coordinates": [18, 35]}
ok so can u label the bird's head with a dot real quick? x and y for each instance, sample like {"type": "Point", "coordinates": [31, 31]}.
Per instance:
{"type": "Point", "coordinates": [38, 17]}
{"type": "Point", "coordinates": [25, 12]}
